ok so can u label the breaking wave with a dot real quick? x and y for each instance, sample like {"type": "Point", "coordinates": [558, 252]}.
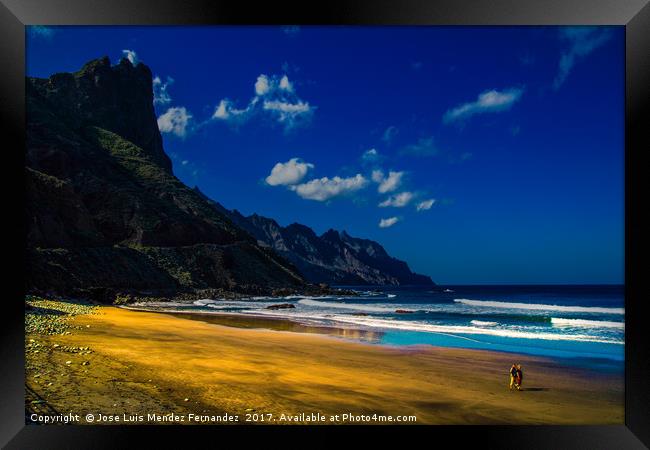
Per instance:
{"type": "Point", "coordinates": [482, 323]}
{"type": "Point", "coordinates": [352, 306]}
{"type": "Point", "coordinates": [559, 322]}
{"type": "Point", "coordinates": [540, 307]}
{"type": "Point", "coordinates": [473, 330]}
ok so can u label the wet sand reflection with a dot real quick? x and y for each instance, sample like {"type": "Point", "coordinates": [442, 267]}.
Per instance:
{"type": "Point", "coordinates": [279, 324]}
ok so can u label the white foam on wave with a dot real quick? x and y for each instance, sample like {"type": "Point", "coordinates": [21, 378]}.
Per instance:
{"type": "Point", "coordinates": [296, 297]}
{"type": "Point", "coordinates": [204, 302]}
{"type": "Point", "coordinates": [392, 295]}
{"type": "Point", "coordinates": [227, 306]}
{"type": "Point", "coordinates": [233, 304]}
{"type": "Point", "coordinates": [459, 329]}
{"type": "Point", "coordinates": [164, 305]}
{"type": "Point", "coordinates": [539, 307]}
{"type": "Point", "coordinates": [449, 330]}
{"type": "Point", "coordinates": [352, 306]}
{"type": "Point", "coordinates": [369, 293]}
{"type": "Point", "coordinates": [482, 323]}
{"type": "Point", "coordinates": [560, 322]}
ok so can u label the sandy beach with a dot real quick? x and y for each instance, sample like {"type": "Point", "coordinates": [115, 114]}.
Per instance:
{"type": "Point", "coordinates": [132, 363]}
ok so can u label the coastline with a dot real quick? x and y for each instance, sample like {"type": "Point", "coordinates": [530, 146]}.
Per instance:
{"type": "Point", "coordinates": [270, 323]}
{"type": "Point", "coordinates": [162, 363]}
{"type": "Point", "coordinates": [357, 332]}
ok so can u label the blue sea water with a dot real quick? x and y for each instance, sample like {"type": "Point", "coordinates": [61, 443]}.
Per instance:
{"type": "Point", "coordinates": [584, 324]}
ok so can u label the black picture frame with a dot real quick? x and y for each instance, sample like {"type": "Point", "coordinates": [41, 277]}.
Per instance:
{"type": "Point", "coordinates": [633, 14]}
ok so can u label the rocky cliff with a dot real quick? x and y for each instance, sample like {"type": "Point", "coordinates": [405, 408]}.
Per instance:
{"type": "Point", "coordinates": [334, 257]}
{"type": "Point", "coordinates": [103, 209]}
{"type": "Point", "coordinates": [106, 215]}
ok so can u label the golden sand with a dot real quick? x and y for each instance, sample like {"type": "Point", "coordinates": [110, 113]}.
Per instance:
{"type": "Point", "coordinates": [144, 362]}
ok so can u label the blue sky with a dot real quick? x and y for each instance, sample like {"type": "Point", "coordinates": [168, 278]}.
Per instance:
{"type": "Point", "coordinates": [476, 154]}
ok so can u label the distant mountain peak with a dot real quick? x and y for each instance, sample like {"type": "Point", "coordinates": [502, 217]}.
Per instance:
{"type": "Point", "coordinates": [105, 213]}
{"type": "Point", "coordinates": [335, 257]}
{"type": "Point", "coordinates": [332, 235]}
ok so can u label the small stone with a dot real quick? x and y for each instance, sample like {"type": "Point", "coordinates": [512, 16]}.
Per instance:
{"type": "Point", "coordinates": [186, 400]}
{"type": "Point", "coordinates": [68, 362]}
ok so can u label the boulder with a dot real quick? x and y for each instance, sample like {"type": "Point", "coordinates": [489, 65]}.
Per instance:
{"type": "Point", "coordinates": [281, 306]}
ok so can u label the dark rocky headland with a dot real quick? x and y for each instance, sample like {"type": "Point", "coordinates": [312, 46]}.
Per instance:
{"type": "Point", "coordinates": [107, 219]}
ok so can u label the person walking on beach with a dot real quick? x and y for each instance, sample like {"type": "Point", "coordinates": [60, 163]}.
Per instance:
{"type": "Point", "coordinates": [519, 377]}
{"type": "Point", "coordinates": [513, 375]}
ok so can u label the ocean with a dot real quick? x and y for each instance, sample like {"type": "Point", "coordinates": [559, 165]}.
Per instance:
{"type": "Point", "coordinates": [585, 325]}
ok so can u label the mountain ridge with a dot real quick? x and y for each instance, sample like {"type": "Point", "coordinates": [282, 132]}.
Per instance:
{"type": "Point", "coordinates": [105, 214]}
{"type": "Point", "coordinates": [104, 211]}
{"type": "Point", "coordinates": [334, 257]}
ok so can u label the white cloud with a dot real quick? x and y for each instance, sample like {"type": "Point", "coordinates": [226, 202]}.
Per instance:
{"type": "Point", "coordinates": [322, 189]}
{"type": "Point", "coordinates": [175, 120]}
{"type": "Point", "coordinates": [262, 86]}
{"type": "Point", "coordinates": [286, 84]}
{"type": "Point", "coordinates": [289, 173]}
{"type": "Point", "coordinates": [425, 204]}
{"type": "Point", "coordinates": [389, 183]}
{"type": "Point", "coordinates": [370, 155]}
{"type": "Point", "coordinates": [389, 134]}
{"type": "Point", "coordinates": [274, 96]}
{"type": "Point", "coordinates": [423, 147]}
{"type": "Point", "coordinates": [225, 111]}
{"type": "Point", "coordinates": [398, 200]}
{"type": "Point", "coordinates": [184, 162]}
{"type": "Point", "coordinates": [385, 223]}
{"type": "Point", "coordinates": [131, 55]}
{"type": "Point", "coordinates": [582, 41]}
{"type": "Point", "coordinates": [160, 94]}
{"type": "Point", "coordinates": [286, 108]}
{"type": "Point", "coordinates": [487, 101]}
{"type": "Point", "coordinates": [288, 114]}
{"type": "Point", "coordinates": [221, 111]}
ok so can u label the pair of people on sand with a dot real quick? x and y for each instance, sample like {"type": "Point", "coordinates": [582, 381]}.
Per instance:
{"type": "Point", "coordinates": [516, 376]}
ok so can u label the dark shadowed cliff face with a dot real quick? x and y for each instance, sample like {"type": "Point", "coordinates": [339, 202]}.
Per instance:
{"type": "Point", "coordinates": [104, 211]}
{"type": "Point", "coordinates": [103, 207]}
{"type": "Point", "coordinates": [335, 257]}
{"type": "Point", "coordinates": [117, 98]}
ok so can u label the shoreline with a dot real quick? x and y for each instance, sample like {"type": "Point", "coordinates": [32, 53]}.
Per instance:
{"type": "Point", "coordinates": [150, 362]}
{"type": "Point", "coordinates": [351, 333]}
{"type": "Point", "coordinates": [270, 323]}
